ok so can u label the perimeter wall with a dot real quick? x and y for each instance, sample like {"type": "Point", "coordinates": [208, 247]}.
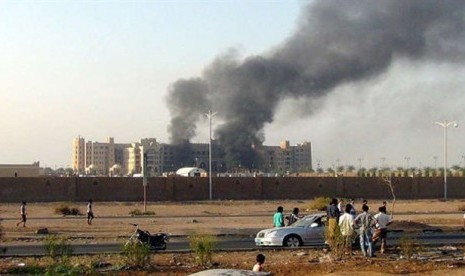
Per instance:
{"type": "Point", "coordinates": [81, 189]}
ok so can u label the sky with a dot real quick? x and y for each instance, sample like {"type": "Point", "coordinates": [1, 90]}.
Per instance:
{"type": "Point", "coordinates": [103, 68]}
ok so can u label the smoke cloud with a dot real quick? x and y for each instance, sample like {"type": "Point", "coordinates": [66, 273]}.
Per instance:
{"type": "Point", "coordinates": [336, 42]}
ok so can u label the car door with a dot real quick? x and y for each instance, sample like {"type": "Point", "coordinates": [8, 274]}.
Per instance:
{"type": "Point", "coordinates": [315, 235]}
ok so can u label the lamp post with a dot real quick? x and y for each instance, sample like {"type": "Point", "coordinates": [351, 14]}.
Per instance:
{"type": "Point", "coordinates": [445, 124]}
{"type": "Point", "coordinates": [210, 188]}
{"type": "Point", "coordinates": [144, 179]}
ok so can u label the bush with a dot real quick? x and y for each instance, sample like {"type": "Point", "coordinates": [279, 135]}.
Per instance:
{"type": "Point", "coordinates": [203, 246]}
{"type": "Point", "coordinates": [137, 212]}
{"type": "Point", "coordinates": [407, 246]}
{"type": "Point", "coordinates": [319, 203]}
{"type": "Point", "coordinates": [136, 253]}
{"type": "Point", "coordinates": [335, 242]}
{"type": "Point", "coordinates": [65, 210]}
{"type": "Point", "coordinates": [57, 247]}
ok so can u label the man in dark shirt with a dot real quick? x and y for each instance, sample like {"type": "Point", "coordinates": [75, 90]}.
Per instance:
{"type": "Point", "coordinates": [333, 214]}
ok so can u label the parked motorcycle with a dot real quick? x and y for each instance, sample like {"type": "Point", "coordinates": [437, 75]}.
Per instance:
{"type": "Point", "coordinates": [155, 241]}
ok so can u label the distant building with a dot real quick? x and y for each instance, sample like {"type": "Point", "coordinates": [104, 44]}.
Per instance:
{"type": "Point", "coordinates": [110, 158]}
{"type": "Point", "coordinates": [20, 170]}
{"type": "Point", "coordinates": [286, 158]}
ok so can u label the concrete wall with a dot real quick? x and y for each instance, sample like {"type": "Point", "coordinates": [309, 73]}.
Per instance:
{"type": "Point", "coordinates": [81, 189]}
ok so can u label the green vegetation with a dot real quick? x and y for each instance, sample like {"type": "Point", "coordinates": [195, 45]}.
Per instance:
{"type": "Point", "coordinates": [136, 253]}
{"type": "Point", "coordinates": [137, 212]}
{"type": "Point", "coordinates": [335, 241]}
{"type": "Point", "coordinates": [202, 245]}
{"type": "Point", "coordinates": [319, 203]}
{"type": "Point", "coordinates": [57, 247]}
{"type": "Point", "coordinates": [407, 246]}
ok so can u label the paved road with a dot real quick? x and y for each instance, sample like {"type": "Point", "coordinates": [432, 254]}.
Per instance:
{"type": "Point", "coordinates": [229, 243]}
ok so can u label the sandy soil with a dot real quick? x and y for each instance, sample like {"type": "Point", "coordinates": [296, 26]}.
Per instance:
{"type": "Point", "coordinates": [243, 217]}
{"type": "Point", "coordinates": [180, 218]}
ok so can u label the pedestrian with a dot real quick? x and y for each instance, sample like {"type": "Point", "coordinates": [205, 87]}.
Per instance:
{"type": "Point", "coordinates": [293, 217]}
{"type": "Point", "coordinates": [382, 221]}
{"type": "Point", "coordinates": [90, 213]}
{"type": "Point", "coordinates": [340, 206]}
{"type": "Point", "coordinates": [260, 261]}
{"type": "Point", "coordinates": [346, 225]}
{"type": "Point", "coordinates": [365, 221]}
{"type": "Point", "coordinates": [278, 217]}
{"type": "Point", "coordinates": [365, 202]}
{"type": "Point", "coordinates": [332, 213]}
{"type": "Point", "coordinates": [352, 205]}
{"type": "Point", "coordinates": [22, 211]}
{"type": "Point", "coordinates": [464, 222]}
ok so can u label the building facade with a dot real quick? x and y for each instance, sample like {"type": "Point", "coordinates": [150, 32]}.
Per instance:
{"type": "Point", "coordinates": [110, 158]}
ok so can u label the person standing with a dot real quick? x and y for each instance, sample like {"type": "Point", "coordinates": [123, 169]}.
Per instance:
{"type": "Point", "coordinates": [340, 206]}
{"type": "Point", "coordinates": [366, 221]}
{"type": "Point", "coordinates": [90, 213]}
{"type": "Point", "coordinates": [293, 217]}
{"type": "Point", "coordinates": [333, 214]}
{"type": "Point", "coordinates": [346, 224]}
{"type": "Point", "coordinates": [383, 220]}
{"type": "Point", "coordinates": [278, 218]}
{"type": "Point", "coordinates": [352, 208]}
{"type": "Point", "coordinates": [22, 211]}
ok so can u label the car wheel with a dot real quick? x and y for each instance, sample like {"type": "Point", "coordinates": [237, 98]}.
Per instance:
{"type": "Point", "coordinates": [292, 241]}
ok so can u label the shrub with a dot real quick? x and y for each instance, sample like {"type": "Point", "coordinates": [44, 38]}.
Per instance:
{"type": "Point", "coordinates": [335, 241]}
{"type": "Point", "coordinates": [202, 245]}
{"type": "Point", "coordinates": [319, 203]}
{"type": "Point", "coordinates": [57, 247]}
{"type": "Point", "coordinates": [136, 253]}
{"type": "Point", "coordinates": [65, 210]}
{"type": "Point", "coordinates": [137, 212]}
{"type": "Point", "coordinates": [407, 246]}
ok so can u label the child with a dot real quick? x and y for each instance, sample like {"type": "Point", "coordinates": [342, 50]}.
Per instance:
{"type": "Point", "coordinates": [259, 265]}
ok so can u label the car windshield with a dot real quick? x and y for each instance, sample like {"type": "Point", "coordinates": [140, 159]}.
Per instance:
{"type": "Point", "coordinates": [306, 221]}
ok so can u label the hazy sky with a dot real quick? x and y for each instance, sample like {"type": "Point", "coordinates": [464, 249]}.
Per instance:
{"type": "Point", "coordinates": [102, 68]}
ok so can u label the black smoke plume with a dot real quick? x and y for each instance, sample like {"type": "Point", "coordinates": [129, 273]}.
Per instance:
{"type": "Point", "coordinates": [335, 42]}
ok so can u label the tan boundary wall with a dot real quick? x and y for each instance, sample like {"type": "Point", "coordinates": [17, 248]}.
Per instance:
{"type": "Point", "coordinates": [80, 189]}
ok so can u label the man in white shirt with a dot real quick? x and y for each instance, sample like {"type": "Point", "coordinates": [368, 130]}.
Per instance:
{"type": "Point", "coordinates": [346, 225]}
{"type": "Point", "coordinates": [383, 220]}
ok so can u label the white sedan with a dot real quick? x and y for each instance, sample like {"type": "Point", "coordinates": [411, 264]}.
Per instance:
{"type": "Point", "coordinates": [307, 231]}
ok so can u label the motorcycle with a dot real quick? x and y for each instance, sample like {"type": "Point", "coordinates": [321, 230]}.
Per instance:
{"type": "Point", "coordinates": [155, 241]}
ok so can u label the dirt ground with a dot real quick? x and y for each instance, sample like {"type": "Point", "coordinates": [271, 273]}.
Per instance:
{"type": "Point", "coordinates": [181, 218]}
{"type": "Point", "coordinates": [112, 220]}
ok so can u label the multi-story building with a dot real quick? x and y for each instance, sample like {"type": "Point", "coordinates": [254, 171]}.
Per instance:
{"type": "Point", "coordinates": [286, 158]}
{"type": "Point", "coordinates": [108, 158]}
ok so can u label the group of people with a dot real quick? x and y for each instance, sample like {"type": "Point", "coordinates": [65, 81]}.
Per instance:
{"type": "Point", "coordinates": [279, 217]}
{"type": "Point", "coordinates": [22, 211]}
{"type": "Point", "coordinates": [370, 228]}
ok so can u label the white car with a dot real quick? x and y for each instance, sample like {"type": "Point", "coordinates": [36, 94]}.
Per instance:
{"type": "Point", "coordinates": [307, 231]}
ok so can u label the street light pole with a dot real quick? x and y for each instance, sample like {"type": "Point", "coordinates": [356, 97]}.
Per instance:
{"type": "Point", "coordinates": [144, 180]}
{"type": "Point", "coordinates": [210, 186]}
{"type": "Point", "coordinates": [445, 125]}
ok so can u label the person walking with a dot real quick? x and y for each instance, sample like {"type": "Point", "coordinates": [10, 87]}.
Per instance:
{"type": "Point", "coordinates": [366, 221]}
{"type": "Point", "coordinates": [383, 220]}
{"type": "Point", "coordinates": [346, 225]}
{"type": "Point", "coordinates": [22, 211]}
{"type": "Point", "coordinates": [278, 217]}
{"type": "Point", "coordinates": [90, 213]}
